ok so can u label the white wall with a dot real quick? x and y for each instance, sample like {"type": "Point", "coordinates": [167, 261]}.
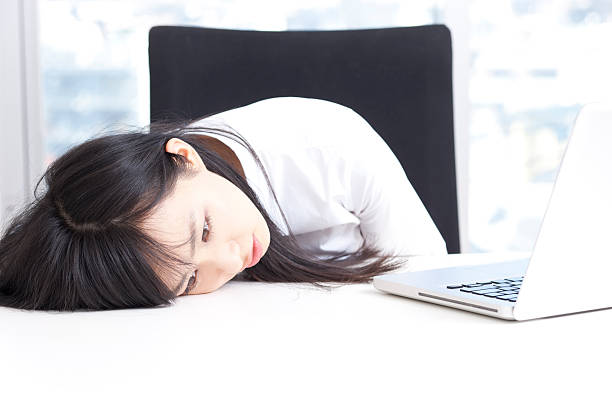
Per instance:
{"type": "Point", "coordinates": [20, 114]}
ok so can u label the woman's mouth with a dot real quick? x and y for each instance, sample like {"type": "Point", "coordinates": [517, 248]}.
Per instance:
{"type": "Point", "coordinates": [256, 253]}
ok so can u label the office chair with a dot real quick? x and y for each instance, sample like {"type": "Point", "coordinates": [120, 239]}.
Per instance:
{"type": "Point", "coordinates": [399, 79]}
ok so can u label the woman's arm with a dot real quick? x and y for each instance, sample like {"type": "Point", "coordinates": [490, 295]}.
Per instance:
{"type": "Point", "coordinates": [392, 215]}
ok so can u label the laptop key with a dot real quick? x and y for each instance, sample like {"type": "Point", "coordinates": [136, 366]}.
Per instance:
{"type": "Point", "coordinates": [491, 294]}
{"type": "Point", "coordinates": [485, 287]}
{"type": "Point", "coordinates": [483, 291]}
{"type": "Point", "coordinates": [454, 286]}
{"type": "Point", "coordinates": [472, 290]}
{"type": "Point", "coordinates": [506, 297]}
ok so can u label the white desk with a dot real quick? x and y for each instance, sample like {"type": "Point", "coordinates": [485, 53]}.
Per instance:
{"type": "Point", "coordinates": [256, 344]}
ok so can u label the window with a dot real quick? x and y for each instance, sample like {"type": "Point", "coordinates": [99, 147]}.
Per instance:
{"type": "Point", "coordinates": [532, 64]}
{"type": "Point", "coordinates": [94, 58]}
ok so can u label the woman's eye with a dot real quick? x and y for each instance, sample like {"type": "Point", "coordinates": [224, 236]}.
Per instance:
{"type": "Point", "coordinates": [192, 282]}
{"type": "Point", "coordinates": [207, 232]}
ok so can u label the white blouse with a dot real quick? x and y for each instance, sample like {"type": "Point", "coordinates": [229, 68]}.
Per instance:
{"type": "Point", "coordinates": [335, 178]}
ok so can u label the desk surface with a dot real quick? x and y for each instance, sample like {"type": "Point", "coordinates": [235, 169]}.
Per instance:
{"type": "Point", "coordinates": [295, 345]}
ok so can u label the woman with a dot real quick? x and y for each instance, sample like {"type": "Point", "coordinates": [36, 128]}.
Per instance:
{"type": "Point", "coordinates": [136, 219]}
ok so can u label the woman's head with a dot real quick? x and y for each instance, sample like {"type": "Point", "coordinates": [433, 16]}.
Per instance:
{"type": "Point", "coordinates": [107, 232]}
{"type": "Point", "coordinates": [221, 219]}
{"type": "Point", "coordinates": [113, 227]}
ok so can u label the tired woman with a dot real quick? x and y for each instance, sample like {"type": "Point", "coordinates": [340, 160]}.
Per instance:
{"type": "Point", "coordinates": [285, 189]}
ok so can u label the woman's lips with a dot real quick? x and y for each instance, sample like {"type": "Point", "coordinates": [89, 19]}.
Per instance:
{"type": "Point", "coordinates": [256, 253]}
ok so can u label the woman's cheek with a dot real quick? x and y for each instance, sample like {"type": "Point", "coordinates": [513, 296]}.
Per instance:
{"type": "Point", "coordinates": [222, 280]}
{"type": "Point", "coordinates": [210, 283]}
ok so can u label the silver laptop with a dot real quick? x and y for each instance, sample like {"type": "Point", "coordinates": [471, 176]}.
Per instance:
{"type": "Point", "coordinates": [570, 267]}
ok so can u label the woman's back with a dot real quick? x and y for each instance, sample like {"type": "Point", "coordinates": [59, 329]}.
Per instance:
{"type": "Point", "coordinates": [334, 176]}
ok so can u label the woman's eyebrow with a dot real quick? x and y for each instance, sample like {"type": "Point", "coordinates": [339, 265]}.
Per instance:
{"type": "Point", "coordinates": [192, 242]}
{"type": "Point", "coordinates": [192, 238]}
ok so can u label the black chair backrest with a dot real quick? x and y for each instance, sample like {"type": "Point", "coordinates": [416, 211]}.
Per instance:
{"type": "Point", "coordinates": [399, 79]}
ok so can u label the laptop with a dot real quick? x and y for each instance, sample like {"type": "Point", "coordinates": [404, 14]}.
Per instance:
{"type": "Point", "coordinates": [570, 267]}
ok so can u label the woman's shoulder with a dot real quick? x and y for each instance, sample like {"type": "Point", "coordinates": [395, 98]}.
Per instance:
{"type": "Point", "coordinates": [288, 123]}
{"type": "Point", "coordinates": [291, 105]}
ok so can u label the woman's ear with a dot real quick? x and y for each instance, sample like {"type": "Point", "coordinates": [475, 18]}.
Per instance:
{"type": "Point", "coordinates": [178, 146]}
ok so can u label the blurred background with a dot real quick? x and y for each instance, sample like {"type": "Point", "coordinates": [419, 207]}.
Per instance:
{"type": "Point", "coordinates": [522, 70]}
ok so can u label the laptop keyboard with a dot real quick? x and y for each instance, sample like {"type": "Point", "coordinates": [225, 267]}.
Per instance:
{"type": "Point", "coordinates": [504, 289]}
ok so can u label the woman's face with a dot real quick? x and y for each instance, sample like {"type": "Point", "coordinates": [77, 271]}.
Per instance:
{"type": "Point", "coordinates": [225, 222]}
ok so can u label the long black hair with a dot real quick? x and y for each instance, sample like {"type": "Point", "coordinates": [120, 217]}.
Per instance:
{"type": "Point", "coordinates": [81, 245]}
